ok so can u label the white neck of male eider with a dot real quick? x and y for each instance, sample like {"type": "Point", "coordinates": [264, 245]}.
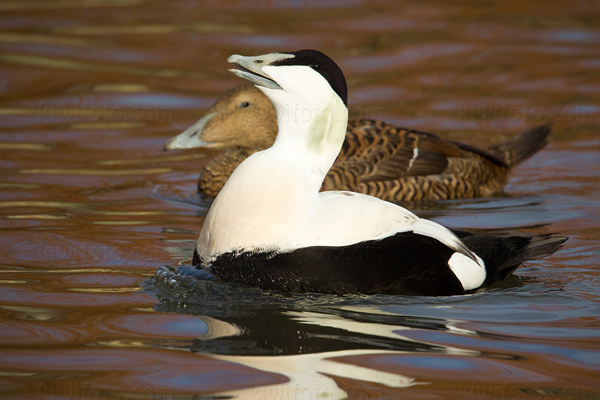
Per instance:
{"type": "Point", "coordinates": [312, 128]}
{"type": "Point", "coordinates": [309, 93]}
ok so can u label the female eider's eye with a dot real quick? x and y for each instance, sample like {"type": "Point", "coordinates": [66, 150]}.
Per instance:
{"type": "Point", "coordinates": [244, 104]}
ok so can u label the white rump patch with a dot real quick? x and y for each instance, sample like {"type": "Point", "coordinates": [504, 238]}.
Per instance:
{"type": "Point", "coordinates": [470, 274]}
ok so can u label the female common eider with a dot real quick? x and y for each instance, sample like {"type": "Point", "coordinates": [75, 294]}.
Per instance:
{"type": "Point", "coordinates": [377, 158]}
{"type": "Point", "coordinates": [271, 227]}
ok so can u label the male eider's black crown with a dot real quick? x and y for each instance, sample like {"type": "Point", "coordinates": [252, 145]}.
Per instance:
{"type": "Point", "coordinates": [323, 65]}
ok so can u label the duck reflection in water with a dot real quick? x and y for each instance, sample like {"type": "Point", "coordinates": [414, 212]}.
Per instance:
{"type": "Point", "coordinates": [311, 340]}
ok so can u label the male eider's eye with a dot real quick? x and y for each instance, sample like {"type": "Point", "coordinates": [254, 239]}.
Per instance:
{"type": "Point", "coordinates": [316, 66]}
{"type": "Point", "coordinates": [244, 104]}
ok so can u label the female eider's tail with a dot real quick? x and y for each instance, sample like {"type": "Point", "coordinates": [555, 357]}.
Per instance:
{"type": "Point", "coordinates": [522, 146]}
{"type": "Point", "coordinates": [502, 255]}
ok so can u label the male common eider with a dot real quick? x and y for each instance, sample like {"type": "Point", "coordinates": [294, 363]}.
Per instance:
{"type": "Point", "coordinates": [271, 227]}
{"type": "Point", "coordinates": [377, 158]}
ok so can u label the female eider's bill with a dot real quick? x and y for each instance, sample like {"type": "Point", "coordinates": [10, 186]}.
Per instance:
{"type": "Point", "coordinates": [270, 226]}
{"type": "Point", "coordinates": [377, 158]}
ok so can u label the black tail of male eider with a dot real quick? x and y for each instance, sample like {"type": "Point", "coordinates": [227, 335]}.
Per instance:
{"type": "Point", "coordinates": [522, 146]}
{"type": "Point", "coordinates": [502, 255]}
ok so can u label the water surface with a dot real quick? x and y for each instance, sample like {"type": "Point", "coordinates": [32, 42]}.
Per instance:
{"type": "Point", "coordinates": [90, 205]}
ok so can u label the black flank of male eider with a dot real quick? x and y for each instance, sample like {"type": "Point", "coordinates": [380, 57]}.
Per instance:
{"type": "Point", "coordinates": [404, 264]}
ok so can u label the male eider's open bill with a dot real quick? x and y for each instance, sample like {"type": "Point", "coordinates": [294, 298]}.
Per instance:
{"type": "Point", "coordinates": [271, 227]}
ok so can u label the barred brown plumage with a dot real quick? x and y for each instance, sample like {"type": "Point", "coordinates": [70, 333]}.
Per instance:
{"type": "Point", "coordinates": [377, 158]}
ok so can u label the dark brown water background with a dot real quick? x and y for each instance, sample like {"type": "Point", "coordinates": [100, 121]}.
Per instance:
{"type": "Point", "coordinates": [90, 205]}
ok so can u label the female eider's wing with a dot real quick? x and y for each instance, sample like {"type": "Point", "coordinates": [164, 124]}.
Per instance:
{"type": "Point", "coordinates": [376, 151]}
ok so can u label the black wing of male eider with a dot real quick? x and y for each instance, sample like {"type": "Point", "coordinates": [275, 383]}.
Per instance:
{"type": "Point", "coordinates": [403, 264]}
